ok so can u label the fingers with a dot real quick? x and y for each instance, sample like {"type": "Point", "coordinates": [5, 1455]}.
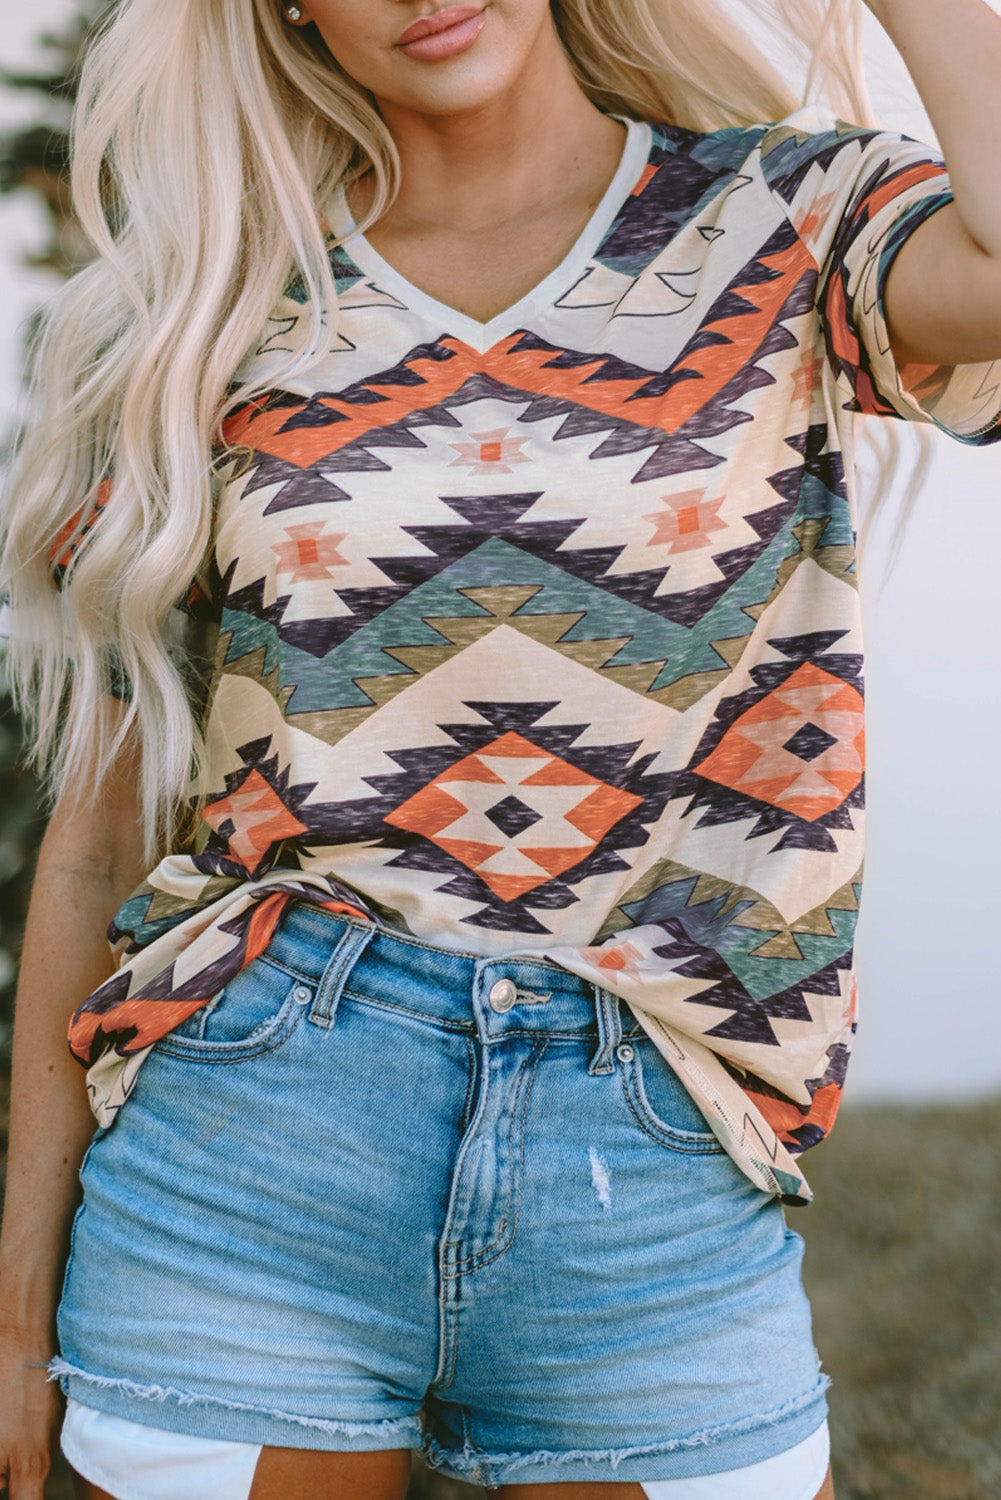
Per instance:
{"type": "Point", "coordinates": [26, 1475]}
{"type": "Point", "coordinates": [30, 1408]}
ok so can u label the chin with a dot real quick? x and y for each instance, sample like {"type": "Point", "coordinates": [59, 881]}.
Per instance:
{"type": "Point", "coordinates": [456, 90]}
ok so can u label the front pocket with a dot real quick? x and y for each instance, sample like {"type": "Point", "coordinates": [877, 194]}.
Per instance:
{"type": "Point", "coordinates": [659, 1101]}
{"type": "Point", "coordinates": [258, 1009]}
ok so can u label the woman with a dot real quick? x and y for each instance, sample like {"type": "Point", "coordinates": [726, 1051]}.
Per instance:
{"type": "Point", "coordinates": [457, 1059]}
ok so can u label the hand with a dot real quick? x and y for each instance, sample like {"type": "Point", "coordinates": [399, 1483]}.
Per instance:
{"type": "Point", "coordinates": [30, 1413]}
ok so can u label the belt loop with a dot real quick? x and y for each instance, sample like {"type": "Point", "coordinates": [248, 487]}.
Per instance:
{"type": "Point", "coordinates": [609, 1031]}
{"type": "Point", "coordinates": [334, 977]}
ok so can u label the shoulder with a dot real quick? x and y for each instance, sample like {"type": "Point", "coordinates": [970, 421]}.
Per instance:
{"type": "Point", "coordinates": [687, 188]}
{"type": "Point", "coordinates": [686, 172]}
{"type": "Point", "coordinates": [813, 154]}
{"type": "Point", "coordinates": [688, 169]}
{"type": "Point", "coordinates": [810, 167]}
{"type": "Point", "coordinates": [701, 154]}
{"type": "Point", "coordinates": [712, 197]}
{"type": "Point", "coordinates": [809, 136]}
{"type": "Point", "coordinates": [808, 133]}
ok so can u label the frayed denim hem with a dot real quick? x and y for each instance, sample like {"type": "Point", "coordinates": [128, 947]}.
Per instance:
{"type": "Point", "coordinates": [254, 1423]}
{"type": "Point", "coordinates": [477, 1466]}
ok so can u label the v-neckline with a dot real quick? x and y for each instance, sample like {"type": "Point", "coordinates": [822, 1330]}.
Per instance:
{"type": "Point", "coordinates": [482, 336]}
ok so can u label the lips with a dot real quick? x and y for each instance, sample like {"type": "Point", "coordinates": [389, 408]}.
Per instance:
{"type": "Point", "coordinates": [452, 15]}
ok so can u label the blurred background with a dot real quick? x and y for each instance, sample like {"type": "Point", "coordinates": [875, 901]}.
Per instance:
{"type": "Point", "coordinates": [904, 1239]}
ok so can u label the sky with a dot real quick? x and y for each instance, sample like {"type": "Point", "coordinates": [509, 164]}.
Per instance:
{"type": "Point", "coordinates": [930, 992]}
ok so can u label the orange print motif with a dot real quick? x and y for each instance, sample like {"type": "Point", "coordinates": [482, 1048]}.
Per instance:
{"type": "Point", "coordinates": [491, 811]}
{"type": "Point", "coordinates": [580, 692]}
{"type": "Point", "coordinates": [648, 171]}
{"type": "Point", "coordinates": [617, 958]}
{"type": "Point", "coordinates": [895, 186]}
{"type": "Point", "coordinates": [688, 522]}
{"type": "Point", "coordinates": [786, 1118]}
{"type": "Point", "coordinates": [308, 554]}
{"type": "Point", "coordinates": [806, 379]}
{"type": "Point", "coordinates": [488, 452]}
{"type": "Point", "coordinates": [802, 748]}
{"type": "Point", "coordinates": [72, 535]}
{"type": "Point", "coordinates": [258, 818]}
{"type": "Point", "coordinates": [817, 213]}
{"type": "Point", "coordinates": [710, 366]}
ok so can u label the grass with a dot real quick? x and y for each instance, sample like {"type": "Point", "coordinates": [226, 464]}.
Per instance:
{"type": "Point", "coordinates": [903, 1267]}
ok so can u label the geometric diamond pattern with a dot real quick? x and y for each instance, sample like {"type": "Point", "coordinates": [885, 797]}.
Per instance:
{"type": "Point", "coordinates": [512, 816]}
{"type": "Point", "coordinates": [251, 820]}
{"type": "Point", "coordinates": [551, 644]}
{"type": "Point", "coordinates": [567, 810]}
{"type": "Point", "coordinates": [759, 757]}
{"type": "Point", "coordinates": [809, 742]}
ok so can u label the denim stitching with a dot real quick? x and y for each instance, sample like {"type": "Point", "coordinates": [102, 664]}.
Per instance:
{"type": "Point", "coordinates": [420, 945]}
{"type": "Point", "coordinates": [408, 1010]}
{"type": "Point", "coordinates": [672, 1138]}
{"type": "Point", "coordinates": [448, 1297]}
{"type": "Point", "coordinates": [413, 941]}
{"type": "Point", "coordinates": [641, 1094]}
{"type": "Point", "coordinates": [215, 1000]}
{"type": "Point", "coordinates": [290, 970]}
{"type": "Point", "coordinates": [276, 1033]}
{"type": "Point", "coordinates": [469, 1449]}
{"type": "Point", "coordinates": [502, 1465]}
{"type": "Point", "coordinates": [609, 1033]}
{"type": "Point", "coordinates": [60, 1369]}
{"type": "Point", "coordinates": [470, 1082]}
{"type": "Point", "coordinates": [496, 1248]}
{"type": "Point", "coordinates": [336, 973]}
{"type": "Point", "coordinates": [466, 1026]}
{"type": "Point", "coordinates": [485, 1257]}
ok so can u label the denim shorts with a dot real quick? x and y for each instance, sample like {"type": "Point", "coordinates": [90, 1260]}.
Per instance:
{"type": "Point", "coordinates": [378, 1194]}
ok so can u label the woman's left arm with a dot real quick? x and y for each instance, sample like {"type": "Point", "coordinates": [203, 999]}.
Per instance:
{"type": "Point", "coordinates": [943, 292]}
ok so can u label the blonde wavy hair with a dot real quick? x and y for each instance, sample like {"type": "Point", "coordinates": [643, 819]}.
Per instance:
{"type": "Point", "coordinates": [206, 134]}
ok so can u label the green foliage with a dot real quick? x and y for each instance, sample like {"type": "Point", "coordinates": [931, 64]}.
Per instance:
{"type": "Point", "coordinates": [34, 158]}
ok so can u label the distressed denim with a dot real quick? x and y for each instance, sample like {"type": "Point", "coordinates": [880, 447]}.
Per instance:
{"type": "Point", "coordinates": [377, 1194]}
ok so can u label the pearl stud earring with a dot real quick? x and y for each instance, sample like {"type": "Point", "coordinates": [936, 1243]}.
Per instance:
{"type": "Point", "coordinates": [293, 12]}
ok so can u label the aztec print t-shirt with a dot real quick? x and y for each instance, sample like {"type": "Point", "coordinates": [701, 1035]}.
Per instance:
{"type": "Point", "coordinates": [542, 637]}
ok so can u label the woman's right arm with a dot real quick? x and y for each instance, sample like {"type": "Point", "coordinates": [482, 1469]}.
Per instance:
{"type": "Point", "coordinates": [90, 859]}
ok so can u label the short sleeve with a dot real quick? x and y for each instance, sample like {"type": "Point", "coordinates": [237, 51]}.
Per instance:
{"type": "Point", "coordinates": [854, 196]}
{"type": "Point", "coordinates": [72, 539]}
{"type": "Point", "coordinates": [192, 626]}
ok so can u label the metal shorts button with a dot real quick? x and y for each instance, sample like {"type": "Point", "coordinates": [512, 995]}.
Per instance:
{"type": "Point", "coordinates": [624, 1052]}
{"type": "Point", "coordinates": [503, 994]}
